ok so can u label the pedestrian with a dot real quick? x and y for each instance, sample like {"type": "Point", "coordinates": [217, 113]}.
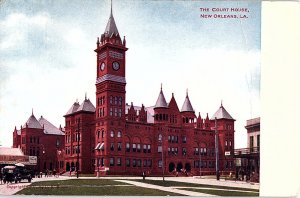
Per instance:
{"type": "Point", "coordinates": [1, 175]}
{"type": "Point", "coordinates": [41, 174]}
{"type": "Point", "coordinates": [144, 175]}
{"type": "Point", "coordinates": [54, 172]}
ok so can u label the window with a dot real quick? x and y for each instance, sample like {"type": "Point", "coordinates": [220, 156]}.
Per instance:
{"type": "Point", "coordinates": [184, 139]}
{"type": "Point", "coordinates": [160, 163]}
{"type": "Point", "coordinates": [258, 140]}
{"type": "Point", "coordinates": [145, 163]}
{"type": "Point", "coordinates": [110, 99]}
{"type": "Point", "coordinates": [120, 101]}
{"type": "Point", "coordinates": [134, 147]}
{"type": "Point", "coordinates": [127, 162]}
{"type": "Point", "coordinates": [251, 143]}
{"type": "Point", "coordinates": [149, 163]}
{"type": "Point", "coordinates": [159, 137]}
{"type": "Point", "coordinates": [112, 134]}
{"type": "Point", "coordinates": [149, 148]}
{"type": "Point", "coordinates": [138, 147]}
{"type": "Point", "coordinates": [120, 113]}
{"type": "Point", "coordinates": [127, 147]}
{"type": "Point", "coordinates": [159, 149]}
{"type": "Point", "coordinates": [98, 134]}
{"type": "Point", "coordinates": [119, 146]}
{"type": "Point", "coordinates": [116, 112]}
{"type": "Point", "coordinates": [183, 151]}
{"type": "Point", "coordinates": [196, 151]}
{"type": "Point", "coordinates": [102, 134]}
{"type": "Point", "coordinates": [111, 161]}
{"type": "Point", "coordinates": [111, 111]}
{"type": "Point", "coordinates": [119, 161]}
{"type": "Point", "coordinates": [112, 146]}
{"type": "Point", "coordinates": [145, 148]}
{"type": "Point", "coordinates": [138, 163]}
{"type": "Point", "coordinates": [116, 100]}
{"type": "Point", "coordinates": [119, 134]}
{"type": "Point", "coordinates": [134, 163]}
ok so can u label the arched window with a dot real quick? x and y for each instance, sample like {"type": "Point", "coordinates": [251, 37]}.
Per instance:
{"type": "Point", "coordinates": [98, 134]}
{"type": "Point", "coordinates": [119, 134]}
{"type": "Point", "coordinates": [112, 133]}
{"type": "Point", "coordinates": [120, 101]}
{"type": "Point", "coordinates": [159, 137]}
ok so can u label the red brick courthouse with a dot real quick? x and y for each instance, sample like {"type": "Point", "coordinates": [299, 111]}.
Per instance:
{"type": "Point", "coordinates": [116, 138]}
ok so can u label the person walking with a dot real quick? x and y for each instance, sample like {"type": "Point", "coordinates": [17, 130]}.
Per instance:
{"type": "Point", "coordinates": [1, 175]}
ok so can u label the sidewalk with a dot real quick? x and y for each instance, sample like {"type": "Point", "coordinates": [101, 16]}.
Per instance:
{"type": "Point", "coordinates": [168, 189]}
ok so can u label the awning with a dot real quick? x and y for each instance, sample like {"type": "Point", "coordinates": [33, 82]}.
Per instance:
{"type": "Point", "coordinates": [99, 146]}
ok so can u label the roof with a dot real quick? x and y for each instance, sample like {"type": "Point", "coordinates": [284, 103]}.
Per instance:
{"type": "Point", "coordinates": [49, 128]}
{"type": "Point", "coordinates": [32, 123]}
{"type": "Point", "coordinates": [11, 151]}
{"type": "Point", "coordinates": [187, 106]}
{"type": "Point", "coordinates": [73, 108]}
{"type": "Point", "coordinates": [111, 27]}
{"type": "Point", "coordinates": [161, 101]}
{"type": "Point", "coordinates": [222, 114]}
{"type": "Point", "coordinates": [111, 77]}
{"type": "Point", "coordinates": [150, 112]}
{"type": "Point", "coordinates": [86, 106]}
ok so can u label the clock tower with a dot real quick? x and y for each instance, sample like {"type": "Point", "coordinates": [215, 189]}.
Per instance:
{"type": "Point", "coordinates": [110, 95]}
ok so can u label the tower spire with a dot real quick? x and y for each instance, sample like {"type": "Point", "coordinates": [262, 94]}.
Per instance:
{"type": "Point", "coordinates": [110, 7]}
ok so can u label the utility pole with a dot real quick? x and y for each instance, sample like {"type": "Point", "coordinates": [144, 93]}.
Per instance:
{"type": "Point", "coordinates": [200, 159]}
{"type": "Point", "coordinates": [77, 164]}
{"type": "Point", "coordinates": [162, 159]}
{"type": "Point", "coordinates": [217, 150]}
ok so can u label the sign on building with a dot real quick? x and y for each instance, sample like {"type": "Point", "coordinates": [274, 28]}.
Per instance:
{"type": "Point", "coordinates": [32, 160]}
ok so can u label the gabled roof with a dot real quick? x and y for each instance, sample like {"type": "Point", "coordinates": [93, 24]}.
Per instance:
{"type": "Point", "coordinates": [49, 128]}
{"type": "Point", "coordinates": [32, 123]}
{"type": "Point", "coordinates": [111, 27]}
{"type": "Point", "coordinates": [86, 106]}
{"type": "Point", "coordinates": [161, 101]}
{"type": "Point", "coordinates": [11, 151]}
{"type": "Point", "coordinates": [150, 112]}
{"type": "Point", "coordinates": [173, 104]}
{"type": "Point", "coordinates": [187, 106]}
{"type": "Point", "coordinates": [222, 114]}
{"type": "Point", "coordinates": [73, 108]}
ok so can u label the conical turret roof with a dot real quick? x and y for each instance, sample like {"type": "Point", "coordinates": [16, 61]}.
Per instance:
{"type": "Point", "coordinates": [161, 101]}
{"type": "Point", "coordinates": [32, 123]}
{"type": "Point", "coordinates": [187, 106]}
{"type": "Point", "coordinates": [222, 114]}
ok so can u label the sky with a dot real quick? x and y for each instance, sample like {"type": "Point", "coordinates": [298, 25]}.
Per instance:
{"type": "Point", "coordinates": [47, 58]}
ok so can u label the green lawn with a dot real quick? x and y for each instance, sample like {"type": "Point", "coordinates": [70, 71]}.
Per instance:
{"type": "Point", "coordinates": [90, 187]}
{"type": "Point", "coordinates": [225, 192]}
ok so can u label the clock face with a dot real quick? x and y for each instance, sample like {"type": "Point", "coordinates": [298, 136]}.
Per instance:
{"type": "Point", "coordinates": [116, 66]}
{"type": "Point", "coordinates": [102, 66]}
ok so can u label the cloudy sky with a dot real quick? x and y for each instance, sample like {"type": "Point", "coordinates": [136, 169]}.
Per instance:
{"type": "Point", "coordinates": [47, 59]}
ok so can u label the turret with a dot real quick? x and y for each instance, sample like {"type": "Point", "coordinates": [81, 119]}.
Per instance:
{"type": "Point", "coordinates": [161, 109]}
{"type": "Point", "coordinates": [187, 111]}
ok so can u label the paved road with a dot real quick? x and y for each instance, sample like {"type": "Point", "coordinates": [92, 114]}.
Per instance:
{"type": "Point", "coordinates": [11, 189]}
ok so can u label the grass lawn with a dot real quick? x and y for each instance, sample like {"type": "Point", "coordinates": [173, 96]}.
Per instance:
{"type": "Point", "coordinates": [89, 187]}
{"type": "Point", "coordinates": [214, 190]}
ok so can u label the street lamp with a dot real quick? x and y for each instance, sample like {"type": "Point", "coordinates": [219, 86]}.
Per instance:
{"type": "Point", "coordinates": [199, 152]}
{"type": "Point", "coordinates": [162, 156]}
{"type": "Point", "coordinates": [77, 164]}
{"type": "Point", "coordinates": [217, 150]}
